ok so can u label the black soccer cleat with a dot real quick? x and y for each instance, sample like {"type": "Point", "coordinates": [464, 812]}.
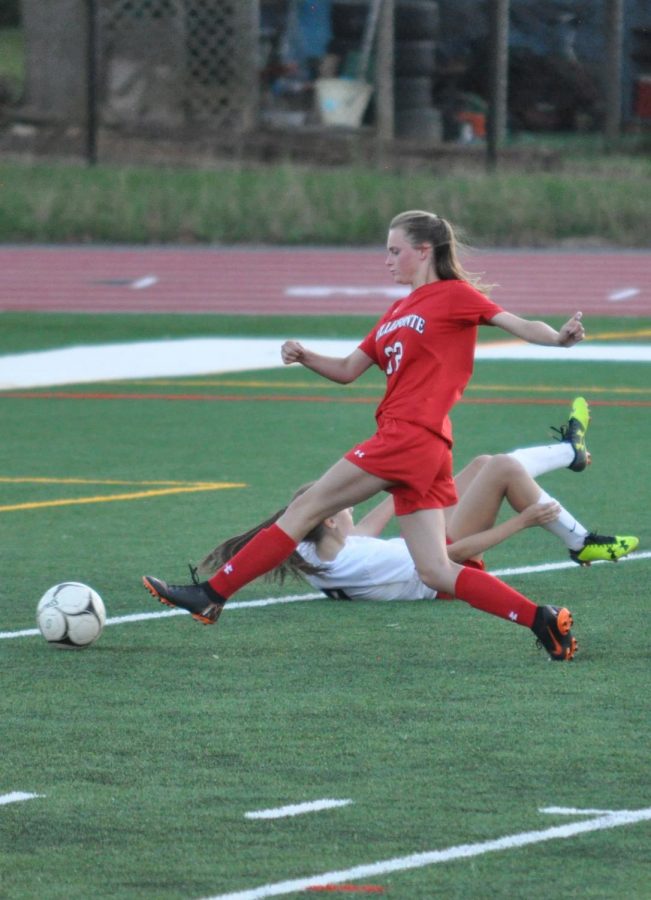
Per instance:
{"type": "Point", "coordinates": [552, 628]}
{"type": "Point", "coordinates": [574, 433]}
{"type": "Point", "coordinates": [203, 604]}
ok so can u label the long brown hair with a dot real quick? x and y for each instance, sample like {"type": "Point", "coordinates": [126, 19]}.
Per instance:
{"type": "Point", "coordinates": [294, 566]}
{"type": "Point", "coordinates": [422, 227]}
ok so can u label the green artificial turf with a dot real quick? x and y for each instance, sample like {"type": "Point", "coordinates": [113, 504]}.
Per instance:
{"type": "Point", "coordinates": [443, 725]}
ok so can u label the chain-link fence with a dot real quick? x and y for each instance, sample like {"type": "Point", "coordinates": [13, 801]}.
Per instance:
{"type": "Point", "coordinates": [171, 63]}
{"type": "Point", "coordinates": [230, 66]}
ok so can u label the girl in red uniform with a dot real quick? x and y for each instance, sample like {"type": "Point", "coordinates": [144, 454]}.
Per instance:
{"type": "Point", "coordinates": [352, 561]}
{"type": "Point", "coordinates": [425, 345]}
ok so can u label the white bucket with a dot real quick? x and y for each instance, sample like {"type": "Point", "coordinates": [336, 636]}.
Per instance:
{"type": "Point", "coordinates": [342, 101]}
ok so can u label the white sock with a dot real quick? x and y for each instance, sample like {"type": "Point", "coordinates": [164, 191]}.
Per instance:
{"type": "Point", "coordinates": [540, 460]}
{"type": "Point", "coordinates": [566, 527]}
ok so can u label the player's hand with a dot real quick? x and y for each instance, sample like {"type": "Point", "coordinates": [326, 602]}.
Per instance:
{"type": "Point", "coordinates": [540, 513]}
{"type": "Point", "coordinates": [292, 352]}
{"type": "Point", "coordinates": [572, 332]}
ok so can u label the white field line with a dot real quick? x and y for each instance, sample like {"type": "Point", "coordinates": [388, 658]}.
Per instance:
{"type": "Point", "coordinates": [144, 617]}
{"type": "Point", "coordinates": [17, 797]}
{"type": "Point", "coordinates": [297, 809]}
{"type": "Point", "coordinates": [572, 811]}
{"type": "Point", "coordinates": [449, 854]}
{"type": "Point", "coordinates": [144, 282]}
{"type": "Point", "coordinates": [295, 598]}
{"type": "Point", "coordinates": [319, 290]}
{"type": "Point", "coordinates": [88, 364]}
{"type": "Point", "coordinates": [566, 564]}
{"type": "Point", "coordinates": [623, 294]}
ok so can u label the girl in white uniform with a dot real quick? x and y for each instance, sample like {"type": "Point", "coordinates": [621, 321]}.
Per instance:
{"type": "Point", "coordinates": [366, 568]}
{"type": "Point", "coordinates": [349, 561]}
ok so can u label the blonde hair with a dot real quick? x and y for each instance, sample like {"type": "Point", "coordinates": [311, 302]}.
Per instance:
{"type": "Point", "coordinates": [422, 227]}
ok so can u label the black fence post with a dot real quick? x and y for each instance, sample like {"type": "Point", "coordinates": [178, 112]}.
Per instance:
{"type": "Point", "coordinates": [499, 65]}
{"type": "Point", "coordinates": [91, 83]}
{"type": "Point", "coordinates": [614, 28]}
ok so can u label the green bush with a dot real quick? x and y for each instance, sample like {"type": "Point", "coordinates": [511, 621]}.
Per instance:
{"type": "Point", "coordinates": [294, 205]}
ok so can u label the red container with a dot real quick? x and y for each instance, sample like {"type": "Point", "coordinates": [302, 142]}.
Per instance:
{"type": "Point", "coordinates": [642, 106]}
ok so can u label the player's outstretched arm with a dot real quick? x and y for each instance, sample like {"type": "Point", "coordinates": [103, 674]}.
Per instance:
{"type": "Point", "coordinates": [476, 544]}
{"type": "Point", "coordinates": [342, 369]}
{"type": "Point", "coordinates": [540, 332]}
{"type": "Point", "coordinates": [375, 521]}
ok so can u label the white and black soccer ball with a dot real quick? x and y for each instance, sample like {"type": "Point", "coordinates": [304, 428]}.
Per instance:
{"type": "Point", "coordinates": [71, 615]}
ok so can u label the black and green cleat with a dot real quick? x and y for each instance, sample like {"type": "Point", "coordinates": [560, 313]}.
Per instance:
{"type": "Point", "coordinates": [574, 433]}
{"type": "Point", "coordinates": [603, 547]}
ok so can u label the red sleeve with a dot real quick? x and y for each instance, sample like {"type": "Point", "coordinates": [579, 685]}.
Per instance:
{"type": "Point", "coordinates": [492, 310]}
{"type": "Point", "coordinates": [368, 345]}
{"type": "Point", "coordinates": [474, 307]}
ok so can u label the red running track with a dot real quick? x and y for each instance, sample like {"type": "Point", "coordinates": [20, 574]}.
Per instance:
{"type": "Point", "coordinates": [272, 281]}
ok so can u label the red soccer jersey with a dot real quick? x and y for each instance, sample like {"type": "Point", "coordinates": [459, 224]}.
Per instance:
{"type": "Point", "coordinates": [425, 344]}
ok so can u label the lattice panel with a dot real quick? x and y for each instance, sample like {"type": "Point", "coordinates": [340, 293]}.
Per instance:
{"type": "Point", "coordinates": [176, 62]}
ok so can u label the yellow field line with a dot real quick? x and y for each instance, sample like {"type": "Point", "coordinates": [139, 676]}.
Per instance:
{"type": "Point", "coordinates": [110, 498]}
{"type": "Point", "coordinates": [30, 480]}
{"type": "Point", "coordinates": [234, 382]}
{"type": "Point", "coordinates": [575, 390]}
{"type": "Point", "coordinates": [618, 335]}
{"type": "Point", "coordinates": [541, 388]}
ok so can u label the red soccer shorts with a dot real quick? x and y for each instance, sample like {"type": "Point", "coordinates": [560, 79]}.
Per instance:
{"type": "Point", "coordinates": [417, 462]}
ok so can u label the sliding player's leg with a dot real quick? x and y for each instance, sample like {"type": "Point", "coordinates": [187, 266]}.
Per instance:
{"type": "Point", "coordinates": [570, 452]}
{"type": "Point", "coordinates": [503, 477]}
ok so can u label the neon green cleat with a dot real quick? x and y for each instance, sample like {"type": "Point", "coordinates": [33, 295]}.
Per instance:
{"type": "Point", "coordinates": [599, 546]}
{"type": "Point", "coordinates": [574, 433]}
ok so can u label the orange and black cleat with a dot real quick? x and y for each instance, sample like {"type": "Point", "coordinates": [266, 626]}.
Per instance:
{"type": "Point", "coordinates": [203, 604]}
{"type": "Point", "coordinates": [552, 628]}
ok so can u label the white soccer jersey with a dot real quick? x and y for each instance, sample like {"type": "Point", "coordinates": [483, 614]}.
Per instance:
{"type": "Point", "coordinates": [368, 568]}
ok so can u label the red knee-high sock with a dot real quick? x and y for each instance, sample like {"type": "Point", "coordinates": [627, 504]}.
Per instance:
{"type": "Point", "coordinates": [485, 592]}
{"type": "Point", "coordinates": [262, 554]}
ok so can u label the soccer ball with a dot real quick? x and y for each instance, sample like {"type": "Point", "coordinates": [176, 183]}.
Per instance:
{"type": "Point", "coordinates": [71, 615]}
